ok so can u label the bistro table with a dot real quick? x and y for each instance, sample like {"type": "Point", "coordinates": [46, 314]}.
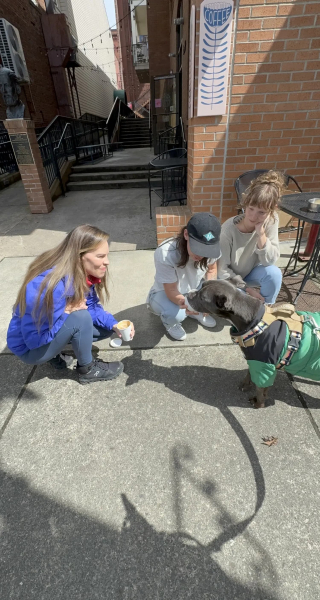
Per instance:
{"type": "Point", "coordinates": [297, 206]}
{"type": "Point", "coordinates": [166, 163]}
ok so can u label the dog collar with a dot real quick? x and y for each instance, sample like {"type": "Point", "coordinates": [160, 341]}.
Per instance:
{"type": "Point", "coordinates": [248, 339]}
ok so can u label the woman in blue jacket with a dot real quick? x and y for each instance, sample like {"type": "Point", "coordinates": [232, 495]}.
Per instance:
{"type": "Point", "coordinates": [59, 303]}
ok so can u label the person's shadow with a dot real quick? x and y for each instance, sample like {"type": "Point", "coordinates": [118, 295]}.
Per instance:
{"type": "Point", "coordinates": [51, 551]}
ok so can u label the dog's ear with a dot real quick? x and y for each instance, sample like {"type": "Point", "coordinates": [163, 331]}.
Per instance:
{"type": "Point", "coordinates": [221, 301]}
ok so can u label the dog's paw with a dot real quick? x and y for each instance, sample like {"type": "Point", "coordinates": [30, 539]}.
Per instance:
{"type": "Point", "coordinates": [256, 403]}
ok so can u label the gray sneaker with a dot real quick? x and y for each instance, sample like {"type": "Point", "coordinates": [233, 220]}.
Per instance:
{"type": "Point", "coordinates": [99, 370]}
{"type": "Point", "coordinates": [177, 332]}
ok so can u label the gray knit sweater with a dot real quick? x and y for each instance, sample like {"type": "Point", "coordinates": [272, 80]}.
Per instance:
{"type": "Point", "coordinates": [239, 250]}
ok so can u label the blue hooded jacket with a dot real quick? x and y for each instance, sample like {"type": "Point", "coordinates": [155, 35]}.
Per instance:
{"type": "Point", "coordinates": [23, 334]}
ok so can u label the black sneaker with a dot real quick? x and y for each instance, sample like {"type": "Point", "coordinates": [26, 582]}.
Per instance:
{"type": "Point", "coordinates": [61, 361]}
{"type": "Point", "coordinates": [99, 370]}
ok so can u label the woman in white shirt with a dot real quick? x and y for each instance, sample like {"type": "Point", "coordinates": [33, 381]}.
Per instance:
{"type": "Point", "coordinates": [250, 243]}
{"type": "Point", "coordinates": [181, 265]}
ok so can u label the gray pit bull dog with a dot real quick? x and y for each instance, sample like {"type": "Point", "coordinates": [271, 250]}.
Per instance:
{"type": "Point", "coordinates": [270, 338]}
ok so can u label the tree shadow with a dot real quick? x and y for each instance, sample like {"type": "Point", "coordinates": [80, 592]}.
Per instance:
{"type": "Point", "coordinates": [52, 552]}
{"type": "Point", "coordinates": [181, 459]}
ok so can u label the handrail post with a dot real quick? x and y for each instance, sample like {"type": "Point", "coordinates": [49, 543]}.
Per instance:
{"type": "Point", "coordinates": [74, 139]}
{"type": "Point", "coordinates": [55, 164]}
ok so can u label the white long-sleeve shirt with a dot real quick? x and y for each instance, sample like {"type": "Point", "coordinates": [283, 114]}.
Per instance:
{"type": "Point", "coordinates": [239, 252]}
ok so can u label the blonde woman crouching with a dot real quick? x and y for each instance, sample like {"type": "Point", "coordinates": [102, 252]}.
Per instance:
{"type": "Point", "coordinates": [250, 243]}
{"type": "Point", "coordinates": [59, 303]}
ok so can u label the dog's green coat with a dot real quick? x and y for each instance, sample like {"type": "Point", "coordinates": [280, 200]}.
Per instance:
{"type": "Point", "coordinates": [305, 362]}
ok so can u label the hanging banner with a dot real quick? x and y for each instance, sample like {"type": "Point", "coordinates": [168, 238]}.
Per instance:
{"type": "Point", "coordinates": [191, 60]}
{"type": "Point", "coordinates": [214, 56]}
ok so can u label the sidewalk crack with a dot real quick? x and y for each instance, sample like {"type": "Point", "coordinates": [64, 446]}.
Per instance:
{"type": "Point", "coordinates": [16, 402]}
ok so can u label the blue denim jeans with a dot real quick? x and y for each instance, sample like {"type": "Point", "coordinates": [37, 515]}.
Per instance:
{"type": "Point", "coordinates": [169, 313]}
{"type": "Point", "coordinates": [269, 280]}
{"type": "Point", "coordinates": [78, 329]}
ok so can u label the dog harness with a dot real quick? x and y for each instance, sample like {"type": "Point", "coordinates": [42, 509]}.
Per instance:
{"type": "Point", "coordinates": [286, 313]}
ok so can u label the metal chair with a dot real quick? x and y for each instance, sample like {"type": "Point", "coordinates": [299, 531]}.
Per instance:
{"type": "Point", "coordinates": [242, 183]}
{"type": "Point", "coordinates": [169, 184]}
{"type": "Point", "coordinates": [173, 153]}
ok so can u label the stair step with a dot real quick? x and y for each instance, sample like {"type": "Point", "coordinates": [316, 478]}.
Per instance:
{"type": "Point", "coordinates": [134, 128]}
{"type": "Point", "coordinates": [132, 146]}
{"type": "Point", "coordinates": [135, 138]}
{"type": "Point", "coordinates": [108, 185]}
{"type": "Point", "coordinates": [108, 176]}
{"type": "Point", "coordinates": [101, 168]}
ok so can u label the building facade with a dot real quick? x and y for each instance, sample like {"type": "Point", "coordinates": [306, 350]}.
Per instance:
{"type": "Point", "coordinates": [50, 32]}
{"type": "Point", "coordinates": [272, 114]}
{"type": "Point", "coordinates": [39, 96]}
{"type": "Point", "coordinates": [136, 90]}
{"type": "Point", "coordinates": [96, 74]}
{"type": "Point", "coordinates": [117, 57]}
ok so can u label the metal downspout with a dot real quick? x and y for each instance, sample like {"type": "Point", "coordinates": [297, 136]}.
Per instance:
{"type": "Point", "coordinates": [236, 14]}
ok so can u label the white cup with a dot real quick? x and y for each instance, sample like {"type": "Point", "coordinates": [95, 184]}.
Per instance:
{"type": "Point", "coordinates": [125, 330]}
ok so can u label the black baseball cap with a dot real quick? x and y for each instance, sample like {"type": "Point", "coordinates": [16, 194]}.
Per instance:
{"type": "Point", "coordinates": [204, 235]}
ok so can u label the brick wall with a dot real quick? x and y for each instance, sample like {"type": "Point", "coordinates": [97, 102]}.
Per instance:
{"type": "Point", "coordinates": [39, 97]}
{"type": "Point", "coordinates": [274, 105]}
{"type": "Point", "coordinates": [274, 115]}
{"type": "Point", "coordinates": [158, 35]}
{"type": "Point", "coordinates": [132, 85]}
{"type": "Point", "coordinates": [170, 220]}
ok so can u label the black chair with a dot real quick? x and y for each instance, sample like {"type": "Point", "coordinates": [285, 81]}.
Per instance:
{"type": "Point", "coordinates": [242, 183]}
{"type": "Point", "coordinates": [167, 154]}
{"type": "Point", "coordinates": [168, 182]}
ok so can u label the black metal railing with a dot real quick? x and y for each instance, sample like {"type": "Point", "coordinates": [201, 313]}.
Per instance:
{"type": "Point", "coordinates": [94, 118]}
{"type": "Point", "coordinates": [119, 110]}
{"type": "Point", "coordinates": [8, 163]}
{"type": "Point", "coordinates": [173, 137]}
{"type": "Point", "coordinates": [65, 138]}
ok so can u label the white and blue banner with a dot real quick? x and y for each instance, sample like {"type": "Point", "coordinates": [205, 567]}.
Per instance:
{"type": "Point", "coordinates": [214, 56]}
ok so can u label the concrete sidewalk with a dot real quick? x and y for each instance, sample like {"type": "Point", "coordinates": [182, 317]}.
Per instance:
{"type": "Point", "coordinates": [155, 485]}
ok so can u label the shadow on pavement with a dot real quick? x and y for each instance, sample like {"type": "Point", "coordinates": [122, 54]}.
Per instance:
{"type": "Point", "coordinates": [214, 386]}
{"type": "Point", "coordinates": [54, 553]}
{"type": "Point", "coordinates": [150, 330]}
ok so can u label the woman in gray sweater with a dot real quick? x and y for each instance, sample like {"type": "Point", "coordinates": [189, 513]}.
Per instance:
{"type": "Point", "coordinates": [249, 242]}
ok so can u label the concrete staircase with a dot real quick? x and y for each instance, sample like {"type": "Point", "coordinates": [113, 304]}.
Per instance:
{"type": "Point", "coordinates": [98, 177]}
{"type": "Point", "coordinates": [134, 133]}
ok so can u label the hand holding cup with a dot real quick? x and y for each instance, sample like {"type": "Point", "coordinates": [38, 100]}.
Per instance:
{"type": "Point", "coordinates": [125, 330]}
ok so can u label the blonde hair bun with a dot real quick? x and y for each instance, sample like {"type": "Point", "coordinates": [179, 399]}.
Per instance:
{"type": "Point", "coordinates": [265, 191]}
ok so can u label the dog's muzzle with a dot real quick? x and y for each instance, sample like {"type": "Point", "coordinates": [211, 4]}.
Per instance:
{"type": "Point", "coordinates": [190, 295]}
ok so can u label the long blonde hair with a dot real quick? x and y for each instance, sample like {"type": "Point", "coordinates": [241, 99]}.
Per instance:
{"type": "Point", "coordinates": [65, 261]}
{"type": "Point", "coordinates": [265, 191]}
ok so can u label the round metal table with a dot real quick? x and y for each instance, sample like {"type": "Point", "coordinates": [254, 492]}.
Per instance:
{"type": "Point", "coordinates": [297, 206]}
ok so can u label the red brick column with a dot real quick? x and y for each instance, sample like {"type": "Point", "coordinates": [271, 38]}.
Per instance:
{"type": "Point", "coordinates": [33, 175]}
